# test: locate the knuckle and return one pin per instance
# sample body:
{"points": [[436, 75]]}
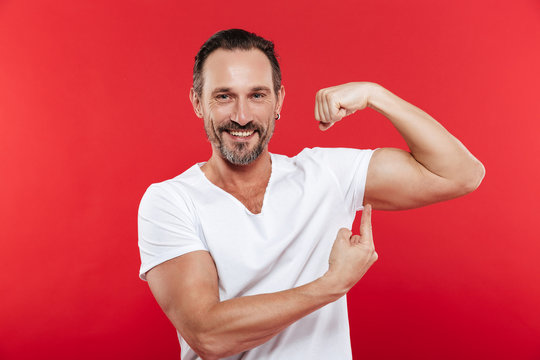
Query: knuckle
{"points": [[329, 97]]}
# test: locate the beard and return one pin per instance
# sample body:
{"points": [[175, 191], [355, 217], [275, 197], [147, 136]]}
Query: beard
{"points": [[239, 153]]}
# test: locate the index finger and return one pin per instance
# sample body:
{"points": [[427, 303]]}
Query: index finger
{"points": [[365, 223]]}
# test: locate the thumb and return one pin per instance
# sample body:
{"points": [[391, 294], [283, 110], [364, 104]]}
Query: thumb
{"points": [[325, 126], [342, 112]]}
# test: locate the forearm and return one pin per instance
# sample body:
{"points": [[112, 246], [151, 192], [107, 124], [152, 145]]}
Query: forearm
{"points": [[239, 324], [429, 142]]}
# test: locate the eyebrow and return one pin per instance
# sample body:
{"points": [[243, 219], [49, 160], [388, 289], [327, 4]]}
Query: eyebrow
{"points": [[261, 88], [227, 89], [220, 90]]}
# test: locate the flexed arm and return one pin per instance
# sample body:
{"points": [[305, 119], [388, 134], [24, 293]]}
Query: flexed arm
{"points": [[438, 167], [186, 288]]}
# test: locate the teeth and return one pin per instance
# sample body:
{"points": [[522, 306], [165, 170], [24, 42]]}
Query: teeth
{"points": [[241, 133]]}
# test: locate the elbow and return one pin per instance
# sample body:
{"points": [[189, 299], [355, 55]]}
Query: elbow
{"points": [[475, 175], [208, 347]]}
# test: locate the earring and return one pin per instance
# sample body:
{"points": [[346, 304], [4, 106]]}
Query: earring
{"points": [[277, 117]]}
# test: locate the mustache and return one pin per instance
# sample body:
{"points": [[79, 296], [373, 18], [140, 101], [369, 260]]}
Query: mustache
{"points": [[233, 126]]}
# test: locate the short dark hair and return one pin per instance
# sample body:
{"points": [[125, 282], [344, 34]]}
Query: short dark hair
{"points": [[232, 39]]}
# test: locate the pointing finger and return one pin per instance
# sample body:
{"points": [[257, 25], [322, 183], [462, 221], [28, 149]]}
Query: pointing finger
{"points": [[365, 224]]}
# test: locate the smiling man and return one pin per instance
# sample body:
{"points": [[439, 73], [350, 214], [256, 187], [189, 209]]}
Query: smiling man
{"points": [[240, 140], [250, 253]]}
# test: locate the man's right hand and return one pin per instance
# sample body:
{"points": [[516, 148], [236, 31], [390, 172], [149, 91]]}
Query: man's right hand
{"points": [[351, 255], [187, 289]]}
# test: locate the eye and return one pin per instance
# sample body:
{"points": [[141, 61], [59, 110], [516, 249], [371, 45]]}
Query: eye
{"points": [[222, 97], [258, 95]]}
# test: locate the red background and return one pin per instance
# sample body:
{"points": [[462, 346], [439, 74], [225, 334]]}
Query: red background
{"points": [[94, 107]]}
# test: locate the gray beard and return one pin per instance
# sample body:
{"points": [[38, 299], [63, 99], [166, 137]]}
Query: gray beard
{"points": [[236, 156]]}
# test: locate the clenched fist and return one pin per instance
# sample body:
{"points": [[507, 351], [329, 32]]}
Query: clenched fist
{"points": [[352, 255], [334, 103]]}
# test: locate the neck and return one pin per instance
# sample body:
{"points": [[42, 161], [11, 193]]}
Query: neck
{"points": [[225, 174]]}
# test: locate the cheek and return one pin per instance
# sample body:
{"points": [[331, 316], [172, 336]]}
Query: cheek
{"points": [[219, 112], [264, 110]]}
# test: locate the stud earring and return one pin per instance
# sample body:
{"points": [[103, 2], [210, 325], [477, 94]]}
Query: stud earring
{"points": [[277, 117]]}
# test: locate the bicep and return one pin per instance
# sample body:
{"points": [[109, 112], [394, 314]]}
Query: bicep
{"points": [[185, 287], [396, 181]]}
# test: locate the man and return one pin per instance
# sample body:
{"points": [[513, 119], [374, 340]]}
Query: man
{"points": [[249, 254]]}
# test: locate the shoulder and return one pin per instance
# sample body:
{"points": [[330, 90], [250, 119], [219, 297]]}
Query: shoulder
{"points": [[325, 157], [340, 162], [333, 156], [172, 192]]}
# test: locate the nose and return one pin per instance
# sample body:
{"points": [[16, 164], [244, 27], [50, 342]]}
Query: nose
{"points": [[242, 114]]}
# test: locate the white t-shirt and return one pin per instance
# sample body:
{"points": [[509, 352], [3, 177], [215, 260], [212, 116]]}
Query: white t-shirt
{"points": [[308, 198]]}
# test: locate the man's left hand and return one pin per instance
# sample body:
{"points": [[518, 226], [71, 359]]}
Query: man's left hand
{"points": [[334, 103]]}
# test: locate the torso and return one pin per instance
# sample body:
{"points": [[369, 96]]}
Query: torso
{"points": [[250, 194], [251, 197], [286, 246]]}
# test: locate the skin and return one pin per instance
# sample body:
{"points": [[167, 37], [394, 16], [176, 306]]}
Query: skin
{"points": [[238, 90], [437, 168]]}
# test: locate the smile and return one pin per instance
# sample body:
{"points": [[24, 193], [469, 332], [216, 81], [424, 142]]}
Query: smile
{"points": [[242, 133]]}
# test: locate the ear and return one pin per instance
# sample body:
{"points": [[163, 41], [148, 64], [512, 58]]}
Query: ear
{"points": [[196, 102], [280, 98]]}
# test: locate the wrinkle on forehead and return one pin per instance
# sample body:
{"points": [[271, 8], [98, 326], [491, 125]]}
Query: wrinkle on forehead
{"points": [[237, 68]]}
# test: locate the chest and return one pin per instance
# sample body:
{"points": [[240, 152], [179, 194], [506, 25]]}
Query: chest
{"points": [[250, 193], [273, 242], [251, 197]]}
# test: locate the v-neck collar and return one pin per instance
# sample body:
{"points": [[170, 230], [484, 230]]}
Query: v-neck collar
{"points": [[220, 190]]}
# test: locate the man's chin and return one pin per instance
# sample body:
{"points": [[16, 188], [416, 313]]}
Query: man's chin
{"points": [[242, 157]]}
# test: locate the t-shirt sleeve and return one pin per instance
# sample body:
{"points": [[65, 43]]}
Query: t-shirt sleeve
{"points": [[350, 167], [166, 226]]}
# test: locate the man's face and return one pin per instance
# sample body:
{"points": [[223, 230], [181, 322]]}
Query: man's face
{"points": [[238, 103]]}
